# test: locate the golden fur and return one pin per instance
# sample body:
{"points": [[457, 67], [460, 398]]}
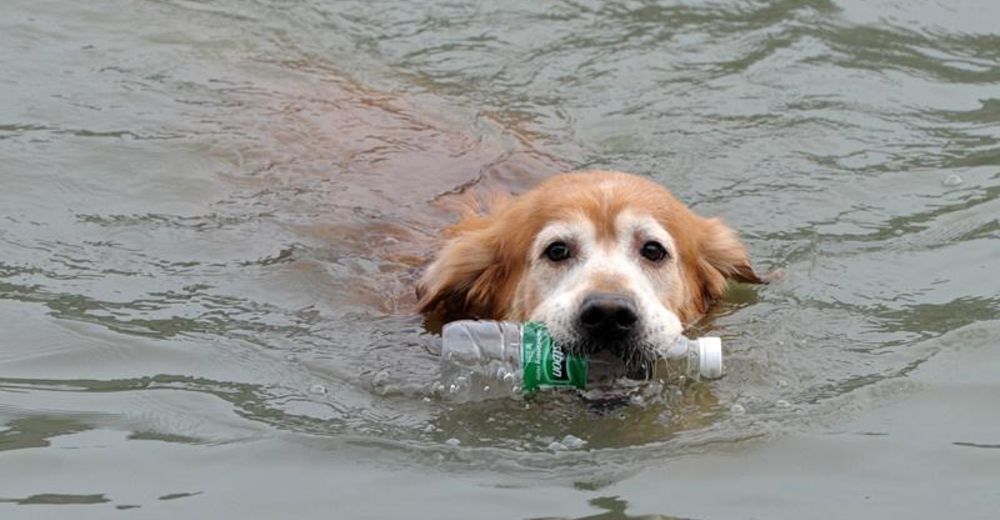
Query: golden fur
{"points": [[480, 271]]}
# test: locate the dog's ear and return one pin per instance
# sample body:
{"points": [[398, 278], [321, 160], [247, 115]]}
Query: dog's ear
{"points": [[722, 249], [468, 279], [722, 257]]}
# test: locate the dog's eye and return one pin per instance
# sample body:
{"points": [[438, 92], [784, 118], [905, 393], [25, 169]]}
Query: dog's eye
{"points": [[557, 251], [653, 251]]}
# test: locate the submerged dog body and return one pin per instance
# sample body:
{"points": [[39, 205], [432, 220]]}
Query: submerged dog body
{"points": [[608, 260]]}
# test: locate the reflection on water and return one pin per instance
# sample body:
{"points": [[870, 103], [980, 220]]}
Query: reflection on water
{"points": [[34, 432], [56, 499], [212, 214], [614, 510]]}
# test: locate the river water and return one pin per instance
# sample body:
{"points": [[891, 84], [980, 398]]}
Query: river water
{"points": [[212, 213]]}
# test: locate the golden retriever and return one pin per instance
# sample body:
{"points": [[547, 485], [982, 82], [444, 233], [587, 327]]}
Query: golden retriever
{"points": [[609, 261]]}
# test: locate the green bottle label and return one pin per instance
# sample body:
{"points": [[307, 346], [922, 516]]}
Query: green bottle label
{"points": [[546, 364]]}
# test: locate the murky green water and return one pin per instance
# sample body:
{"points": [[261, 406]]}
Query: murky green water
{"points": [[212, 213]]}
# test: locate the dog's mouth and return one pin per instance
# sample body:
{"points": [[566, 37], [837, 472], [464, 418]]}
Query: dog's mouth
{"points": [[612, 379], [612, 360], [606, 368], [614, 371]]}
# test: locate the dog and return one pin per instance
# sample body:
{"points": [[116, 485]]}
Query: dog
{"points": [[611, 262]]}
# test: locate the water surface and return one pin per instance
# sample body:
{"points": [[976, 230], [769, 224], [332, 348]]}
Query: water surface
{"points": [[212, 214]]}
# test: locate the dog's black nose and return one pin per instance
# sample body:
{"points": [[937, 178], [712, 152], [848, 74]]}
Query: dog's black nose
{"points": [[608, 316]]}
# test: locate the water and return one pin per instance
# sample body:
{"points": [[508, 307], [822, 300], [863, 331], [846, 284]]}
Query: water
{"points": [[211, 210]]}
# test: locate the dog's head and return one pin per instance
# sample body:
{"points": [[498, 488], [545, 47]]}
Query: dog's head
{"points": [[609, 261]]}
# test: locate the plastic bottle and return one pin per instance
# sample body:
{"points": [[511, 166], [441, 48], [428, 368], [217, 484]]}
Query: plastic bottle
{"points": [[485, 359]]}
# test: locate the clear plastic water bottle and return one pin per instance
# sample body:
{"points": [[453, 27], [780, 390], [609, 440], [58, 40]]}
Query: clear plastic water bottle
{"points": [[483, 359]]}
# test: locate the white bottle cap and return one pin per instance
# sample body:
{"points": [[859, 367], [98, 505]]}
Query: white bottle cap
{"points": [[710, 356]]}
